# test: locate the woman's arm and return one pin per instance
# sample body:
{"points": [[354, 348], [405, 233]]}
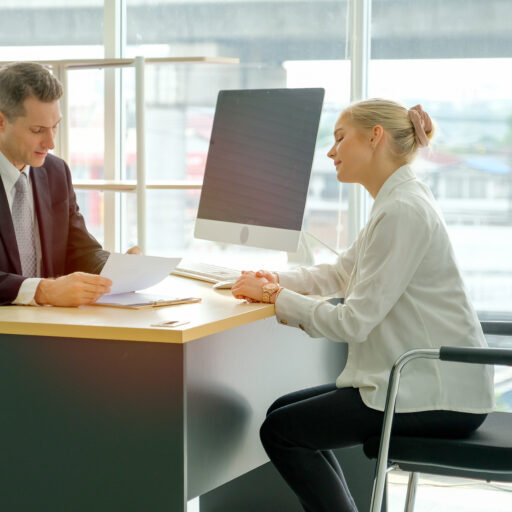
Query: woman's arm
{"points": [[322, 279], [395, 246]]}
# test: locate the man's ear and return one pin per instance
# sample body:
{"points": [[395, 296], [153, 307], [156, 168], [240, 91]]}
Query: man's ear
{"points": [[3, 121]]}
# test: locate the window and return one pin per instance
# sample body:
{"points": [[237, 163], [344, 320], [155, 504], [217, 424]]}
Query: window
{"points": [[441, 55], [274, 51], [76, 32]]}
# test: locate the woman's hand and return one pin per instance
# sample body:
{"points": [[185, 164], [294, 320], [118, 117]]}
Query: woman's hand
{"points": [[249, 286], [272, 277]]}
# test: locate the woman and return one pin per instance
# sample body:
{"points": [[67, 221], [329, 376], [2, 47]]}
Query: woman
{"points": [[402, 290]]}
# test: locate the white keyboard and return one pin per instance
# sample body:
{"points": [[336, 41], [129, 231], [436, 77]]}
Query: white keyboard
{"points": [[206, 272]]}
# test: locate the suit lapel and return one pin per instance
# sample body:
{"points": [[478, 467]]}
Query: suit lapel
{"points": [[42, 201], [7, 231]]}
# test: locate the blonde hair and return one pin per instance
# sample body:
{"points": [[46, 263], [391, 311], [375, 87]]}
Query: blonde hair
{"points": [[394, 119]]}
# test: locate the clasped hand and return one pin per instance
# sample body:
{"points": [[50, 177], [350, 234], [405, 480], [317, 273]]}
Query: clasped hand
{"points": [[249, 285]]}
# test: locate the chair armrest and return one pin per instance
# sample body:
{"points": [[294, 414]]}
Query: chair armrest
{"points": [[498, 328], [500, 356]]}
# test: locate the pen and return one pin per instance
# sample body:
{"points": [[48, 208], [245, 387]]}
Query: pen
{"points": [[171, 323]]}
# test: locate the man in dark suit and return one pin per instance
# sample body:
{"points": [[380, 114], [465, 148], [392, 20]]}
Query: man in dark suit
{"points": [[47, 256]]}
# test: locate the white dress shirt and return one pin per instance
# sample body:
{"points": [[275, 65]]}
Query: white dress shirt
{"points": [[402, 290], [10, 174]]}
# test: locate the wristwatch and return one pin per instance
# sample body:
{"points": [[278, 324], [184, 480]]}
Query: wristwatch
{"points": [[270, 291]]}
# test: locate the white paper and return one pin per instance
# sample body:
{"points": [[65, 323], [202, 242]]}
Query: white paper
{"points": [[133, 272]]}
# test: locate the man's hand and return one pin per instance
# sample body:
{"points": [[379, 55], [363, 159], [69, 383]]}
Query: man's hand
{"points": [[74, 289]]}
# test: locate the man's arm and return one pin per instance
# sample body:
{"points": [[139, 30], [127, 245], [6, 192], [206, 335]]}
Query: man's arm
{"points": [[75, 289], [84, 260], [9, 287], [84, 253]]}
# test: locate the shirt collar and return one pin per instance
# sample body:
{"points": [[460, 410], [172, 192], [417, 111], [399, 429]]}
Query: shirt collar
{"points": [[401, 175], [10, 173]]}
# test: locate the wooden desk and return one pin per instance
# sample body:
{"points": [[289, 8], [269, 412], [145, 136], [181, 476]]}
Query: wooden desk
{"points": [[101, 411]]}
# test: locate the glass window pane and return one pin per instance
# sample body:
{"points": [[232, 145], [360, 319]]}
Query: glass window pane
{"points": [[51, 29], [55, 30], [86, 123], [76, 33], [91, 204], [459, 70], [276, 49]]}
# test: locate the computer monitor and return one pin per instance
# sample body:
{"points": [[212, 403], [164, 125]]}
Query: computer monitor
{"points": [[258, 167]]}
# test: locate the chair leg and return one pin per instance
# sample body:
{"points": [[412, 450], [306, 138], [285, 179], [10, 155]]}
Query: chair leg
{"points": [[411, 492]]}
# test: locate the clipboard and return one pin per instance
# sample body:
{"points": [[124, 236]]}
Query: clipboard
{"points": [[135, 300]]}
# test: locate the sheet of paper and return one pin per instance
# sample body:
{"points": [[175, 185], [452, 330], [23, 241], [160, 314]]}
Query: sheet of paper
{"points": [[132, 272]]}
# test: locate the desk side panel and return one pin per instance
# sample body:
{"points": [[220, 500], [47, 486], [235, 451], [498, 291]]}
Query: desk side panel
{"points": [[91, 425], [232, 378]]}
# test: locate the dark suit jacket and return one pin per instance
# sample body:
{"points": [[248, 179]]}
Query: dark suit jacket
{"points": [[66, 244]]}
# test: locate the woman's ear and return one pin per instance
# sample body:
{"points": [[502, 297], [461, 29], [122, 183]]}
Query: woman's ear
{"points": [[377, 136]]}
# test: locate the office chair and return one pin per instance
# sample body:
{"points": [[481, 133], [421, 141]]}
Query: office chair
{"points": [[485, 455]]}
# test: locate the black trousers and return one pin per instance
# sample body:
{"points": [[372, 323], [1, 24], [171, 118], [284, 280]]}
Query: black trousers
{"points": [[302, 428]]}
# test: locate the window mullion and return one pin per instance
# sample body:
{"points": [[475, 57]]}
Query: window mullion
{"points": [[360, 25], [112, 13]]}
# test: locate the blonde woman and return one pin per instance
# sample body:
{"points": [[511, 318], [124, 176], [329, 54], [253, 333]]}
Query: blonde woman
{"points": [[402, 290]]}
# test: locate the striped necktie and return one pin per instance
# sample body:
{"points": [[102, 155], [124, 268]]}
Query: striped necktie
{"points": [[23, 220]]}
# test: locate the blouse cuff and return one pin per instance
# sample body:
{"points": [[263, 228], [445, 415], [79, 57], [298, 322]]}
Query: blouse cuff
{"points": [[295, 310]]}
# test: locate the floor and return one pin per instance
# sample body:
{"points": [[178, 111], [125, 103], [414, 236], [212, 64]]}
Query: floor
{"points": [[443, 494], [440, 494], [193, 505]]}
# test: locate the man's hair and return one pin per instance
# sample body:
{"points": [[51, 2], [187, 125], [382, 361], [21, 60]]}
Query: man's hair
{"points": [[22, 80]]}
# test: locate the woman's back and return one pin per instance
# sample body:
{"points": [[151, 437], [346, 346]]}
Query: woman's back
{"points": [[418, 301]]}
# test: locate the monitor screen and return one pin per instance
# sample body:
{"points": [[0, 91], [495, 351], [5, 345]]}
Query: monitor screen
{"points": [[258, 167]]}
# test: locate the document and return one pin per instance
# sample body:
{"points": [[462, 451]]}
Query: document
{"points": [[132, 272]]}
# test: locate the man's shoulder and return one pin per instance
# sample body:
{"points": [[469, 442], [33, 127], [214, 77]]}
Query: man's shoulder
{"points": [[54, 162], [54, 175], [54, 168]]}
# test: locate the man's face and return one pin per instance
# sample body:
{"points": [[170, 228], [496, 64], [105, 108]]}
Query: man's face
{"points": [[28, 138]]}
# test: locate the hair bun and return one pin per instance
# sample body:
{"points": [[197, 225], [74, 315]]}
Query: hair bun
{"points": [[422, 125]]}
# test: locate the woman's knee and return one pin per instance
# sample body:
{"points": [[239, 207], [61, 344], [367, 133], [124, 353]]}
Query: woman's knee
{"points": [[272, 428], [265, 429], [277, 404]]}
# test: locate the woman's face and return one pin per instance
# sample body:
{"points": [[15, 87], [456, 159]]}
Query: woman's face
{"points": [[352, 151]]}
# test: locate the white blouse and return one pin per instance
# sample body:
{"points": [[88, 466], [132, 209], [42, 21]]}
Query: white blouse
{"points": [[402, 290]]}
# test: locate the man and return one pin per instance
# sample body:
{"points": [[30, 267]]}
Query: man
{"points": [[47, 256]]}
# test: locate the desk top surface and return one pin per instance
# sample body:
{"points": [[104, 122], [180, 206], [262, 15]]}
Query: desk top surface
{"points": [[217, 312]]}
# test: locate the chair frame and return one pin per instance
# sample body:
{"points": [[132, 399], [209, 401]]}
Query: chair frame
{"points": [[465, 355]]}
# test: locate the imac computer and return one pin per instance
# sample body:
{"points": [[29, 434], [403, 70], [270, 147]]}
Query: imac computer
{"points": [[258, 167]]}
